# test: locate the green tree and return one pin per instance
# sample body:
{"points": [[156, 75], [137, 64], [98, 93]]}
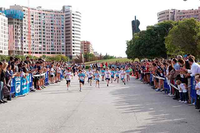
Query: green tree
{"points": [[57, 58], [89, 57], [64, 58], [149, 43], [184, 38]]}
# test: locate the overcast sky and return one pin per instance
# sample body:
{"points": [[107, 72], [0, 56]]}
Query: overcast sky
{"points": [[107, 23]]}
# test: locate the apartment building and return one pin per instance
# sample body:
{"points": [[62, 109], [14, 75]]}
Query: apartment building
{"points": [[86, 47], [15, 19], [3, 34], [178, 15], [166, 15], [72, 31], [43, 31], [37, 31], [193, 13]]}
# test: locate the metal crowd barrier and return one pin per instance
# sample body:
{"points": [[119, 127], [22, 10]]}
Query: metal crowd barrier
{"points": [[21, 86], [167, 85]]}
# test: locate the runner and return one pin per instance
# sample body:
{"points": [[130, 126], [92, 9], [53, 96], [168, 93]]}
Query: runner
{"points": [[112, 74], [127, 74], [117, 75], [89, 75], [103, 73], [68, 76], [81, 76], [97, 78], [107, 75], [122, 75]]}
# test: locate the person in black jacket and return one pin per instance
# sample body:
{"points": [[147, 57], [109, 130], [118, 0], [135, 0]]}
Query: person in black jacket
{"points": [[2, 81]]}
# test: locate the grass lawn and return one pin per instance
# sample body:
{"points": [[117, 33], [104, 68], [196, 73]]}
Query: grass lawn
{"points": [[108, 61]]}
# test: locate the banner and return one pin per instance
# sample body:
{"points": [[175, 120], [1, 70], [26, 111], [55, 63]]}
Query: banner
{"points": [[193, 91], [25, 85], [30, 80], [17, 86], [12, 91], [46, 78]]}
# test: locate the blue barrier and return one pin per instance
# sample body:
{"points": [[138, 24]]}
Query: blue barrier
{"points": [[21, 86], [193, 91], [25, 88], [30, 80], [12, 91], [46, 81], [61, 75], [151, 78], [166, 86], [17, 86]]}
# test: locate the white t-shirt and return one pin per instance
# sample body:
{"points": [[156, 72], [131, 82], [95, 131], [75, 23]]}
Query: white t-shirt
{"points": [[52, 71], [198, 86], [59, 70], [68, 75], [182, 88], [122, 74], [107, 74], [94, 71], [89, 74]]}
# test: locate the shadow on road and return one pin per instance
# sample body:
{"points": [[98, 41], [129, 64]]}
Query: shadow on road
{"points": [[155, 112]]}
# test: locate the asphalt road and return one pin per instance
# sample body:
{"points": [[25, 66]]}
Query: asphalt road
{"points": [[131, 108]]}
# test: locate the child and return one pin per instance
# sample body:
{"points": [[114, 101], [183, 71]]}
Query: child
{"points": [[90, 74], [122, 75], [107, 75], [97, 76], [182, 91], [68, 76], [197, 88], [127, 74], [81, 76], [103, 74], [112, 74], [117, 75]]}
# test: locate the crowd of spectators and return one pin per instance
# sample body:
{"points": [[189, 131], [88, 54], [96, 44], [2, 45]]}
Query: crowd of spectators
{"points": [[37, 68], [177, 72]]}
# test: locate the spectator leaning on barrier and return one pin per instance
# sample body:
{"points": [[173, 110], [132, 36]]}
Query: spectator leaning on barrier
{"points": [[195, 68]]}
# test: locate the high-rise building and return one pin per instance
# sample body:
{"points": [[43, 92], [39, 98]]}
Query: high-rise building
{"points": [[37, 31], [3, 34], [86, 47], [43, 31], [166, 15], [15, 20], [72, 31], [178, 15], [192, 13], [96, 54]]}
